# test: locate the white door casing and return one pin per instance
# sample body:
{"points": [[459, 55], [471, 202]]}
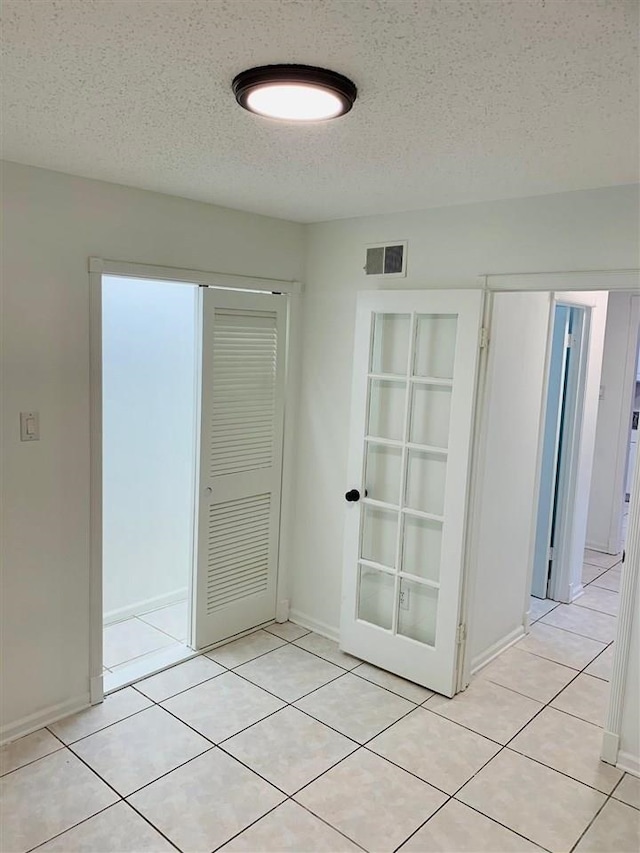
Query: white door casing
{"points": [[242, 407], [413, 396]]}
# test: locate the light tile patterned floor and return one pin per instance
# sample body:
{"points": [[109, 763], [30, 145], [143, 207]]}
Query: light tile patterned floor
{"points": [[279, 742], [141, 636]]}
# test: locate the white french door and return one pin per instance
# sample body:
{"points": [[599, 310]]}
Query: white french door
{"points": [[243, 374], [414, 380]]}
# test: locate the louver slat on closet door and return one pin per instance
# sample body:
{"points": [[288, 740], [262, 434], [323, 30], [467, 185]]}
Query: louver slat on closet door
{"points": [[238, 558], [244, 391]]}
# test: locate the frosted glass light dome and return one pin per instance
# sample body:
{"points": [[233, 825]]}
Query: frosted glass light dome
{"points": [[297, 93]]}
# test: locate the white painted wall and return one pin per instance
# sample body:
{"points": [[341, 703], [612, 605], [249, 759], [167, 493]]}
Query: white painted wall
{"points": [[148, 441], [503, 523], [604, 524], [448, 247], [504, 518], [51, 224]]}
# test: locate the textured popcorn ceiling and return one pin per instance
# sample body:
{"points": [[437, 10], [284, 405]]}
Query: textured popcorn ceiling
{"points": [[459, 101]]}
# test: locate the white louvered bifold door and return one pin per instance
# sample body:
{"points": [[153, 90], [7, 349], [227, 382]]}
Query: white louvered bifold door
{"points": [[243, 367]]}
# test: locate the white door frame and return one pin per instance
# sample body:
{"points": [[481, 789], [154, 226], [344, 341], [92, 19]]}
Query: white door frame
{"points": [[97, 268], [598, 280], [562, 586], [622, 456]]}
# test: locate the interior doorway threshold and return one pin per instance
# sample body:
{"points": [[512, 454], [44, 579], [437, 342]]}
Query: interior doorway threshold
{"points": [[145, 666]]}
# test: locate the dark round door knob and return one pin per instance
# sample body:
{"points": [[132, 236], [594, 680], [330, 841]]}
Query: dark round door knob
{"points": [[352, 495]]}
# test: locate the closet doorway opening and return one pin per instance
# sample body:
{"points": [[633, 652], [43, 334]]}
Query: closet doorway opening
{"points": [[188, 461], [149, 411]]}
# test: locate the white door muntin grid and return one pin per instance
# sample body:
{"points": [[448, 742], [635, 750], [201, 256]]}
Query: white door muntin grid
{"points": [[410, 440]]}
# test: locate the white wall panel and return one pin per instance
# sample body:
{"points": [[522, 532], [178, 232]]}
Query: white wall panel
{"points": [[448, 247], [52, 224], [510, 429], [148, 409], [614, 421]]}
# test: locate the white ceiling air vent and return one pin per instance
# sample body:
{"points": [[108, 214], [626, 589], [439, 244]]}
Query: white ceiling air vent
{"points": [[387, 259]]}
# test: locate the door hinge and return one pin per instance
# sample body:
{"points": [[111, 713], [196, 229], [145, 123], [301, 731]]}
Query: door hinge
{"points": [[461, 635], [570, 340], [552, 554], [484, 338]]}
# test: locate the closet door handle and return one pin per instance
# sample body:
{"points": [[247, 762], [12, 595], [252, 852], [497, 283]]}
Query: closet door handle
{"points": [[352, 495]]}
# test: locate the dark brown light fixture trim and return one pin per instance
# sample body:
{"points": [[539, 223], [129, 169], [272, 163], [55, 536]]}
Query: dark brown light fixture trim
{"points": [[295, 75]]}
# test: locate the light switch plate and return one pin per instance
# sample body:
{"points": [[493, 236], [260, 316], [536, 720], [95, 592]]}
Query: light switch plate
{"points": [[29, 426]]}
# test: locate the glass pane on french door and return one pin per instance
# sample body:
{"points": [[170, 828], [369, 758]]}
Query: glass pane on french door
{"points": [[405, 471]]}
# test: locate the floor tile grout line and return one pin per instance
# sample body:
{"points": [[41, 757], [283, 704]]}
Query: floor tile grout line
{"points": [[595, 609], [220, 746], [141, 618], [364, 745], [575, 716], [460, 725], [160, 630], [617, 785], [330, 825], [274, 784], [249, 660], [423, 824], [590, 824], [292, 704], [503, 825], [253, 823], [117, 668], [179, 692], [146, 785], [393, 692], [152, 825], [562, 772], [109, 725], [506, 746], [575, 633], [302, 649], [307, 630], [357, 744], [74, 826], [33, 760], [289, 642], [554, 697], [151, 651], [198, 654], [553, 660]]}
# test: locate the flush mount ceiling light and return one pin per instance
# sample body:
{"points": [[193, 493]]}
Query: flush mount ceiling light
{"points": [[294, 92]]}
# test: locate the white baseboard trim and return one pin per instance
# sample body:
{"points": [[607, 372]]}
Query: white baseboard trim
{"points": [[611, 549], [33, 722], [282, 610], [97, 689], [485, 657], [629, 763], [315, 625], [575, 591], [145, 606], [610, 745]]}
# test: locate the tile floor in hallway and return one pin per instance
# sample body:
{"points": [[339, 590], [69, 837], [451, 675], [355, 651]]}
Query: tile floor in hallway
{"points": [[280, 742], [141, 636]]}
